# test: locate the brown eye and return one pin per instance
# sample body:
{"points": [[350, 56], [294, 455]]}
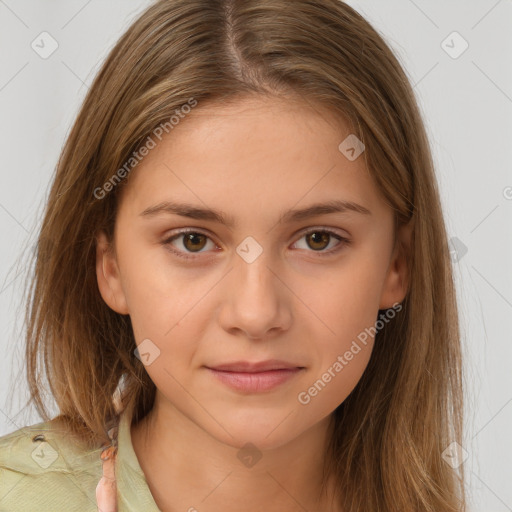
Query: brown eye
{"points": [[187, 243], [194, 241], [191, 243], [318, 240]]}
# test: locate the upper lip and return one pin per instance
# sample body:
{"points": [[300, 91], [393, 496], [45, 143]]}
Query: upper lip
{"points": [[260, 366]]}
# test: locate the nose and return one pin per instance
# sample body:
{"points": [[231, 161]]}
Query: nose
{"points": [[256, 302]]}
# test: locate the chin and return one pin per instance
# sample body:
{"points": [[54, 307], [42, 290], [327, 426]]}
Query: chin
{"points": [[265, 432]]}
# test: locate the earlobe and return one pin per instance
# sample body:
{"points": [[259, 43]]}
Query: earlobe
{"points": [[108, 276], [396, 284]]}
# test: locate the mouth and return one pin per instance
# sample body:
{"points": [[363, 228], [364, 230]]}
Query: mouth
{"points": [[255, 367], [257, 377]]}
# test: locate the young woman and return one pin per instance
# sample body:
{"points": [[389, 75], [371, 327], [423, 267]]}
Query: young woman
{"points": [[243, 294]]}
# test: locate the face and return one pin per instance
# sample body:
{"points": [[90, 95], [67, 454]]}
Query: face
{"points": [[258, 281]]}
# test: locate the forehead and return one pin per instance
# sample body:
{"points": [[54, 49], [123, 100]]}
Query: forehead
{"points": [[254, 153]]}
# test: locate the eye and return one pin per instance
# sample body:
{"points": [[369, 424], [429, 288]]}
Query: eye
{"points": [[191, 241], [319, 239], [187, 242]]}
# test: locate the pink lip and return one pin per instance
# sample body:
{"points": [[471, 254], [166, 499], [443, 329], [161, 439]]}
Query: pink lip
{"points": [[260, 366], [255, 377], [253, 382]]}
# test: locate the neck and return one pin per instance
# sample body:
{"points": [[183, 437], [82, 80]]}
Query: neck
{"points": [[186, 468]]}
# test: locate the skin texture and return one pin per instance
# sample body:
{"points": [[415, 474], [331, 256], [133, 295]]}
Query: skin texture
{"points": [[253, 160]]}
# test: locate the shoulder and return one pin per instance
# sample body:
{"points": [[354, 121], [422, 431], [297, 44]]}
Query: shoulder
{"points": [[42, 468]]}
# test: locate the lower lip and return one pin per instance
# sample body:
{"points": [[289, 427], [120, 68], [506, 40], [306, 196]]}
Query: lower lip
{"points": [[255, 382]]}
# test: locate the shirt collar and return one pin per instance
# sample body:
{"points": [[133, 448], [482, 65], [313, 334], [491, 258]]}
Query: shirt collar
{"points": [[133, 491]]}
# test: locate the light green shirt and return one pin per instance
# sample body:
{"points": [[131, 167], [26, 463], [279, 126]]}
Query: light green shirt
{"points": [[42, 470]]}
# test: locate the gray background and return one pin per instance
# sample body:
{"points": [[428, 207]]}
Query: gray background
{"points": [[467, 105]]}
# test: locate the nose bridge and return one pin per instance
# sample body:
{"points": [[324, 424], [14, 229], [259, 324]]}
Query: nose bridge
{"points": [[256, 299], [254, 279]]}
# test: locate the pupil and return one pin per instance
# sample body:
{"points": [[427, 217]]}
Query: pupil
{"points": [[323, 238], [193, 237]]}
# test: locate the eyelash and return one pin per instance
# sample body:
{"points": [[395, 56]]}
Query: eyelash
{"points": [[343, 242]]}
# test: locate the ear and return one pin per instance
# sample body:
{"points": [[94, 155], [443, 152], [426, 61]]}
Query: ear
{"points": [[108, 275], [396, 283]]}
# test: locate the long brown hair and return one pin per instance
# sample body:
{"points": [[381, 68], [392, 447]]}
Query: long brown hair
{"points": [[389, 435]]}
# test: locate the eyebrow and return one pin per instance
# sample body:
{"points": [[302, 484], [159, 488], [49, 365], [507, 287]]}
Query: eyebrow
{"points": [[289, 216]]}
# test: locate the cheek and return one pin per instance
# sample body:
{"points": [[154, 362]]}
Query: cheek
{"points": [[159, 294], [348, 300], [347, 311], [340, 361]]}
